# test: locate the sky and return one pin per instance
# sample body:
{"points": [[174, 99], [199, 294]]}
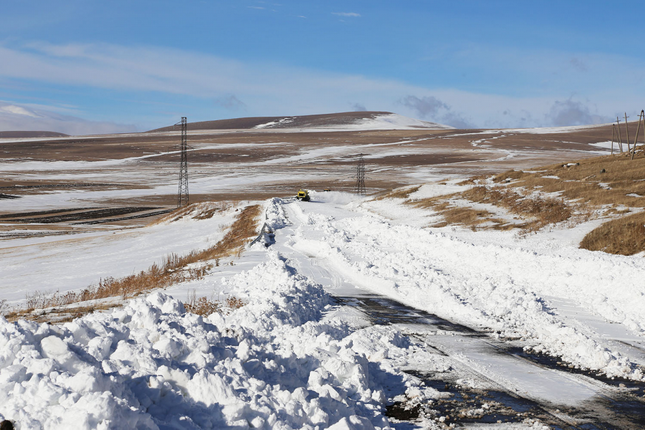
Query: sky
{"points": [[86, 66]]}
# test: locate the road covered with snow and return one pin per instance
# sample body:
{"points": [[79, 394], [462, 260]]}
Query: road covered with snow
{"points": [[356, 316]]}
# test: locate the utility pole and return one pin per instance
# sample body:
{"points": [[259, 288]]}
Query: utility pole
{"points": [[182, 192], [641, 117], [613, 137], [360, 176], [619, 137], [627, 129]]}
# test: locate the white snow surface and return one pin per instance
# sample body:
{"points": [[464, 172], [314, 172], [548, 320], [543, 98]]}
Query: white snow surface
{"points": [[289, 359], [379, 122], [274, 363]]}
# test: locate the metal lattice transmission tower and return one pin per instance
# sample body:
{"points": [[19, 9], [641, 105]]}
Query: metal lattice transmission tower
{"points": [[182, 192], [360, 175]]}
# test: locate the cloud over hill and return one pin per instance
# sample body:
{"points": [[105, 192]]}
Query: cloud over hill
{"points": [[14, 117]]}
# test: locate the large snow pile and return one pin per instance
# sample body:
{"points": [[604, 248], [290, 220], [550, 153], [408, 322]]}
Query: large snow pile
{"points": [[274, 363]]}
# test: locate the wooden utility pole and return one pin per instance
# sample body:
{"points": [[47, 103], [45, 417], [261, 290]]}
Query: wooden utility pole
{"points": [[613, 137], [641, 117], [627, 128], [619, 137]]}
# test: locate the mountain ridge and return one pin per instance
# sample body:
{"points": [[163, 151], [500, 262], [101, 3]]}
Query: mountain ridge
{"points": [[342, 120]]}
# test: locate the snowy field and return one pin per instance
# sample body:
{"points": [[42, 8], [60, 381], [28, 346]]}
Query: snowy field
{"points": [[356, 314], [295, 356]]}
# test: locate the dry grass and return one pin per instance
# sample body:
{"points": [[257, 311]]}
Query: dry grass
{"points": [[541, 211], [536, 211], [198, 211], [57, 315], [624, 236], [174, 269], [205, 306], [594, 181], [400, 193], [611, 183], [472, 218], [614, 182]]}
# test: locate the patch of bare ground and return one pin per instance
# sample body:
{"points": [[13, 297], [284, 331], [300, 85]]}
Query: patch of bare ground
{"points": [[173, 270]]}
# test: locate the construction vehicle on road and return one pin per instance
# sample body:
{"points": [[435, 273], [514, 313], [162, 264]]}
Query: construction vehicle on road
{"points": [[303, 195]]}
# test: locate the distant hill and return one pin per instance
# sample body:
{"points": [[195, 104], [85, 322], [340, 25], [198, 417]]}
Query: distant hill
{"points": [[28, 134], [332, 121]]}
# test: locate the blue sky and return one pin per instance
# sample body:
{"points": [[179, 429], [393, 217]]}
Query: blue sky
{"points": [[124, 65]]}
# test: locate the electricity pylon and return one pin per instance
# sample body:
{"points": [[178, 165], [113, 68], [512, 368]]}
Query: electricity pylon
{"points": [[182, 193], [360, 175]]}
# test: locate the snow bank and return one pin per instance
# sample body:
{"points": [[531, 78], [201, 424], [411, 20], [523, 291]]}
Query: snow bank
{"points": [[274, 363], [504, 287]]}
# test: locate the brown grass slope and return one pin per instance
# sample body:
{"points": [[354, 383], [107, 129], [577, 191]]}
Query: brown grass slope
{"points": [[300, 121], [615, 184], [624, 236], [611, 187]]}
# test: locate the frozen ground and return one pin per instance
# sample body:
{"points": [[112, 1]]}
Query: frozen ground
{"points": [[356, 305]]}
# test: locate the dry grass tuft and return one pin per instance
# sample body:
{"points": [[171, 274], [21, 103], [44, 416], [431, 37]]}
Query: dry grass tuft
{"points": [[234, 302], [57, 314], [509, 176], [198, 211], [399, 193], [473, 218], [202, 306], [624, 236], [174, 269], [205, 306], [474, 180], [543, 211]]}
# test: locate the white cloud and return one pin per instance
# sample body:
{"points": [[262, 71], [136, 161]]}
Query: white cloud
{"points": [[15, 117], [347, 14], [269, 89], [571, 112]]}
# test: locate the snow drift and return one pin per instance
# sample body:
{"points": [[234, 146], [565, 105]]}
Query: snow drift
{"points": [[273, 363]]}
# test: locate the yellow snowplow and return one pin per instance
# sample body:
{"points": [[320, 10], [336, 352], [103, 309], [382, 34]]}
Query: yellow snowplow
{"points": [[303, 195]]}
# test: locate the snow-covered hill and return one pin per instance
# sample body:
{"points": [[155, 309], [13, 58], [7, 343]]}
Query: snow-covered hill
{"points": [[343, 121], [367, 121]]}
